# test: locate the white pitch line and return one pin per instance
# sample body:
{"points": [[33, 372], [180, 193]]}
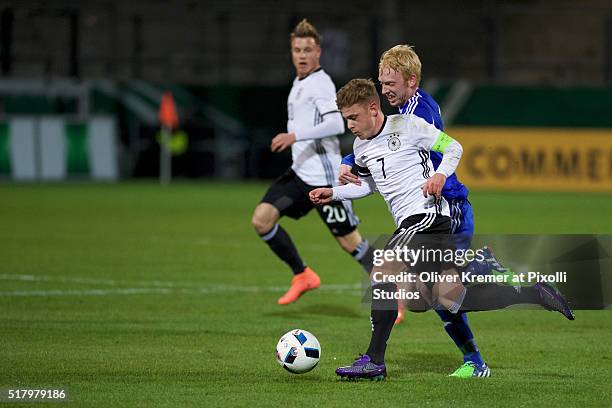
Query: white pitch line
{"points": [[162, 284], [158, 287], [106, 282], [89, 292], [42, 278], [149, 291]]}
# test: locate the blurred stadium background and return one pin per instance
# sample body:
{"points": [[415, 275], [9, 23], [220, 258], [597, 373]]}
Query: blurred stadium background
{"points": [[82, 81]]}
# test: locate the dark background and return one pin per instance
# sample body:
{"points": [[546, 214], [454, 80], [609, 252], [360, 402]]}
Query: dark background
{"points": [[528, 63]]}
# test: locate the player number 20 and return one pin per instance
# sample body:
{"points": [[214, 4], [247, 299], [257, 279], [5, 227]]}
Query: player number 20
{"points": [[334, 214]]}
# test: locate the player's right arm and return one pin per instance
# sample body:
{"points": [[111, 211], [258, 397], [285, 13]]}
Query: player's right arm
{"points": [[330, 122]]}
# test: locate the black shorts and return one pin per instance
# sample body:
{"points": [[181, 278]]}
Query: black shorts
{"points": [[422, 224], [289, 194], [424, 231]]}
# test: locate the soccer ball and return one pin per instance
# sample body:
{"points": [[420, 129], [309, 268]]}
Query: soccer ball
{"points": [[298, 351]]}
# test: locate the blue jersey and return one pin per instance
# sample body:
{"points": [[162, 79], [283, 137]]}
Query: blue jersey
{"points": [[424, 106]]}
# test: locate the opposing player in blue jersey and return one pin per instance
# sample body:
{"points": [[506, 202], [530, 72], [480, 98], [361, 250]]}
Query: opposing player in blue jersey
{"points": [[399, 76]]}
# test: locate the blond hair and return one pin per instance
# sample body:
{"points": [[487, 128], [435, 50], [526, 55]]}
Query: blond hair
{"points": [[403, 59], [357, 91], [306, 30]]}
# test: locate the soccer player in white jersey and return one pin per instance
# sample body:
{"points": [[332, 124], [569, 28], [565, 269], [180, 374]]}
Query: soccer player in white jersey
{"points": [[399, 75], [392, 155], [313, 124]]}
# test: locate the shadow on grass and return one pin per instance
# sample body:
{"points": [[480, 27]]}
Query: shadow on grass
{"points": [[318, 309], [422, 363], [439, 363]]}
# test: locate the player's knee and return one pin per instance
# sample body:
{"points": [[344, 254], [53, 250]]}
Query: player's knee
{"points": [[264, 218], [347, 246], [261, 224]]}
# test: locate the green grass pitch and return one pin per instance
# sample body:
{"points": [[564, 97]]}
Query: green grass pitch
{"points": [[137, 295]]}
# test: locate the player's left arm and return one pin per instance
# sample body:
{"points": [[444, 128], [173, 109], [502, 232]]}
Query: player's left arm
{"points": [[451, 155], [349, 191], [331, 125], [324, 195]]}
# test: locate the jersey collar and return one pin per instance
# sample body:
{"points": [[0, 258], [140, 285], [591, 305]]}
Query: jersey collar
{"points": [[381, 129], [316, 70], [404, 107]]}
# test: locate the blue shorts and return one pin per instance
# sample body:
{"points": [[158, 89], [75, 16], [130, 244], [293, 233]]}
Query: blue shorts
{"points": [[462, 222]]}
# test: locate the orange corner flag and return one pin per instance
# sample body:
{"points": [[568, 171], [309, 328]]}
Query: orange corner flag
{"points": [[167, 111]]}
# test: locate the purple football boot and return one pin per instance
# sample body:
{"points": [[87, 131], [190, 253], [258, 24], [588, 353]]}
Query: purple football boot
{"points": [[552, 299], [363, 368]]}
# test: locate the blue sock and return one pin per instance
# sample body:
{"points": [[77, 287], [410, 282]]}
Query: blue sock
{"points": [[457, 327], [478, 268]]}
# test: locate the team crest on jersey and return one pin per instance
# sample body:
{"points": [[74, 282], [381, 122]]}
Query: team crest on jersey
{"points": [[394, 142]]}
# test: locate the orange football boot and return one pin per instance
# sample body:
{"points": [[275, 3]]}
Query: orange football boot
{"points": [[300, 284]]}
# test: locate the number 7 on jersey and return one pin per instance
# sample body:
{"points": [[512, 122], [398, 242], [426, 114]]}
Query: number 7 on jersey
{"points": [[382, 159]]}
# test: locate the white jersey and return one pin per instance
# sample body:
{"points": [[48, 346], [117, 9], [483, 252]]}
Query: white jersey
{"points": [[398, 161], [315, 161]]}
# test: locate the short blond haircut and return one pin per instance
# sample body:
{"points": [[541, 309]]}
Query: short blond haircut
{"points": [[305, 30], [403, 59], [357, 91]]}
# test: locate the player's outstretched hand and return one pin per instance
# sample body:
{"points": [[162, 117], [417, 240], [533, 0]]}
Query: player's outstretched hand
{"points": [[433, 185], [321, 195], [346, 176], [282, 141]]}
